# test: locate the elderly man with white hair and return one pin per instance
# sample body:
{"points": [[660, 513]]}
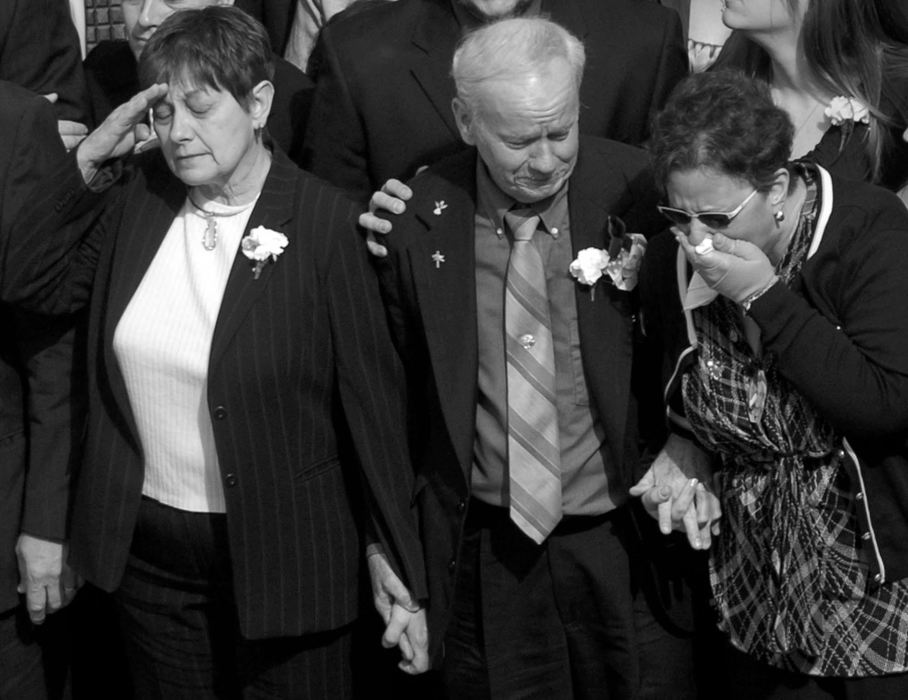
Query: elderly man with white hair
{"points": [[509, 285]]}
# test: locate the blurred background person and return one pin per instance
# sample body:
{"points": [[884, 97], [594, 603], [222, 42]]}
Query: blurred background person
{"points": [[277, 16], [842, 79], [787, 361], [704, 30], [308, 19], [39, 50]]}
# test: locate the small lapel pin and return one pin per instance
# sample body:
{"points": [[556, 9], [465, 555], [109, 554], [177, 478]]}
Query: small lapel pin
{"points": [[439, 208], [438, 258]]}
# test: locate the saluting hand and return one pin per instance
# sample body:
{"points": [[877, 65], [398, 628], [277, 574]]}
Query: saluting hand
{"points": [[116, 135]]}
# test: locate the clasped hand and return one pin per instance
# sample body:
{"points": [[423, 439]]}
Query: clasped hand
{"points": [[45, 578], [404, 618], [735, 268], [677, 491]]}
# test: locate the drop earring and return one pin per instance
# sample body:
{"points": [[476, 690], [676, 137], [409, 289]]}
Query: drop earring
{"points": [[779, 216]]}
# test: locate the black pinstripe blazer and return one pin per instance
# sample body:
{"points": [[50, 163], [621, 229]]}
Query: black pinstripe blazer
{"points": [[301, 370]]}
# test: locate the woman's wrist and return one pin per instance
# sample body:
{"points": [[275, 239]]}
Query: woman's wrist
{"points": [[751, 298]]}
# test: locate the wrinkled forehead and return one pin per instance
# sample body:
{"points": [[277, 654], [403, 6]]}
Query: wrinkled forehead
{"points": [[552, 100], [184, 77], [187, 80]]}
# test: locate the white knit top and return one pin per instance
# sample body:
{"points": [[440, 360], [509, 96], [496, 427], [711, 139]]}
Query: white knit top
{"points": [[163, 342]]}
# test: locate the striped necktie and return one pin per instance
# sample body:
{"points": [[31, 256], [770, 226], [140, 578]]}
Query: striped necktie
{"points": [[534, 460]]}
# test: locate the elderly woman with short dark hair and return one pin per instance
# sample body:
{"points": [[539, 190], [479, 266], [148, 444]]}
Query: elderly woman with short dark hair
{"points": [[246, 405], [783, 306]]}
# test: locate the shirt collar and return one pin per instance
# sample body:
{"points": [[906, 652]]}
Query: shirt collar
{"points": [[493, 204]]}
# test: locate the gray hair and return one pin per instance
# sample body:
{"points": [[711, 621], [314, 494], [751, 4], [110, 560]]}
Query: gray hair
{"points": [[511, 49]]}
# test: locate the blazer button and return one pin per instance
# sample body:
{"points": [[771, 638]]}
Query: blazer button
{"points": [[878, 578], [452, 565], [859, 496], [865, 536], [462, 506], [840, 454], [230, 480], [220, 413]]}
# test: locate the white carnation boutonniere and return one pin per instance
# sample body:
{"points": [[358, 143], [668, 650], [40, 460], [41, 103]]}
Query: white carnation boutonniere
{"points": [[845, 112], [262, 245], [589, 264], [846, 109], [620, 263]]}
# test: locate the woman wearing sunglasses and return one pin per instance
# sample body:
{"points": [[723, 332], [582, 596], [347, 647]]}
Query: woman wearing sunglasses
{"points": [[784, 309]]}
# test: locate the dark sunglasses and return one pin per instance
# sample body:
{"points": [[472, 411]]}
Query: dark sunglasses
{"points": [[710, 219]]}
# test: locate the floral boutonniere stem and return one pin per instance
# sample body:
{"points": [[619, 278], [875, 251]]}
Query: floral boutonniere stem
{"points": [[620, 263], [262, 245]]}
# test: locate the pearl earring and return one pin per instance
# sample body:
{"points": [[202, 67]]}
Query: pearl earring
{"points": [[779, 216]]}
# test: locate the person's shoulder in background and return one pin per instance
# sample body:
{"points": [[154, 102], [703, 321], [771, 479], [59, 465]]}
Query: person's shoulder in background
{"points": [[293, 91], [112, 76], [39, 49]]}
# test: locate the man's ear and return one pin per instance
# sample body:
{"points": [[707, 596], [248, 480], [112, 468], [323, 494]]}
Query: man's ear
{"points": [[464, 119], [260, 104]]}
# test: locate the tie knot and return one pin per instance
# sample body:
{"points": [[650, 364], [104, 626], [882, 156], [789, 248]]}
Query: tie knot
{"points": [[522, 222]]}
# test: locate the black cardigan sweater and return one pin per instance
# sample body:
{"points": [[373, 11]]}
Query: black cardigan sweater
{"points": [[839, 335]]}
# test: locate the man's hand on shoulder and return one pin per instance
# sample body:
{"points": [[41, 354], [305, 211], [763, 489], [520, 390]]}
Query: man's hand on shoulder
{"points": [[404, 618], [390, 198]]}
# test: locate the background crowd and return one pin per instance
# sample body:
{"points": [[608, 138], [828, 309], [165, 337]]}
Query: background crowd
{"points": [[567, 335]]}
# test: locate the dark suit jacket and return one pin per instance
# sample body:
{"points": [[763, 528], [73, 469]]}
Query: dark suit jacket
{"points": [[276, 16], [112, 75], [35, 357], [304, 391], [432, 312], [39, 50], [382, 104], [682, 7]]}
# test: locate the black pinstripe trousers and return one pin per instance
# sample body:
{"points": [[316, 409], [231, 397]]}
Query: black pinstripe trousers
{"points": [[179, 619]]}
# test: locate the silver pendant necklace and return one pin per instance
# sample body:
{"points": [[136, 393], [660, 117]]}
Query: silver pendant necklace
{"points": [[210, 236]]}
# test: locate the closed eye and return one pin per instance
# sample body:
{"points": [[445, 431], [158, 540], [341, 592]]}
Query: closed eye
{"points": [[162, 111]]}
